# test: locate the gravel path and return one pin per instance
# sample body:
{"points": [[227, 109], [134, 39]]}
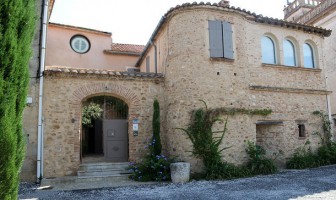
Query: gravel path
{"points": [[319, 183]]}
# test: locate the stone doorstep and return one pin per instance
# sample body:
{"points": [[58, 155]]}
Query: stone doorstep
{"points": [[102, 169], [78, 183]]}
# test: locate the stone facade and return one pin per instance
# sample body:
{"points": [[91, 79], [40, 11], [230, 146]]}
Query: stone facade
{"points": [[181, 72], [64, 94], [321, 14], [292, 93]]}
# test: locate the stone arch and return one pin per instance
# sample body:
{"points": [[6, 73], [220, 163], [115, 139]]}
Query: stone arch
{"points": [[89, 90]]}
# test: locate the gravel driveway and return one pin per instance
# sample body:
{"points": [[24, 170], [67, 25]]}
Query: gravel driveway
{"points": [[319, 183]]}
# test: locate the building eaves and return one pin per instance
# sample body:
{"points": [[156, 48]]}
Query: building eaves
{"points": [[122, 53], [98, 72], [249, 15], [80, 28]]}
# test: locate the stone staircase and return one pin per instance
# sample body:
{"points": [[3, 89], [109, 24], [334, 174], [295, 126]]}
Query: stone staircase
{"points": [[102, 169], [93, 175]]}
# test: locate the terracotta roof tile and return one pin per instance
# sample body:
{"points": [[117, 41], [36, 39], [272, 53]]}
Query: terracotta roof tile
{"points": [[127, 48], [70, 70], [224, 5]]}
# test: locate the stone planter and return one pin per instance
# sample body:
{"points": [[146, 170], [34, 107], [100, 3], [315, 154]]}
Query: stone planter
{"points": [[180, 172]]}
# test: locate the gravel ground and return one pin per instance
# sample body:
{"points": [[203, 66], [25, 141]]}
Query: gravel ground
{"points": [[319, 183]]}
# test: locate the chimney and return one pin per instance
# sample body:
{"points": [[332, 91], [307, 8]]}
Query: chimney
{"points": [[224, 3]]}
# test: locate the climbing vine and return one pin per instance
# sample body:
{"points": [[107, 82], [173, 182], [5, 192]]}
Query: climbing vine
{"points": [[206, 145]]}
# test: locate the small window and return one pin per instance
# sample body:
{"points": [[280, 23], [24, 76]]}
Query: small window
{"points": [[289, 53], [80, 44], [147, 64], [268, 50], [302, 130], [308, 55]]}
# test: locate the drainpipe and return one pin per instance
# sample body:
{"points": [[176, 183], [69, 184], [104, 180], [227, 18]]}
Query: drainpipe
{"points": [[329, 108], [155, 56], [44, 20]]}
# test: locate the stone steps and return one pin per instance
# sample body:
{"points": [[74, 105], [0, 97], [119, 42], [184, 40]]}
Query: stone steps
{"points": [[77, 183], [102, 170]]}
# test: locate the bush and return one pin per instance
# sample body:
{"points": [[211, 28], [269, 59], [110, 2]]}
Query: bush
{"points": [[17, 25], [206, 146], [90, 112], [258, 163], [152, 168], [303, 158], [326, 154]]}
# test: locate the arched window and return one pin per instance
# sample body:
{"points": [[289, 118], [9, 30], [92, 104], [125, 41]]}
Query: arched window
{"points": [[308, 56], [268, 50], [289, 53]]}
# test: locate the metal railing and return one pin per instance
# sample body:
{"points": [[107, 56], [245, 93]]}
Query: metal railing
{"points": [[320, 8], [295, 5]]}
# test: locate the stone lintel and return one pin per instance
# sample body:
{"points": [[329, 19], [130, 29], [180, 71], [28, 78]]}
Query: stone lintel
{"points": [[288, 90]]}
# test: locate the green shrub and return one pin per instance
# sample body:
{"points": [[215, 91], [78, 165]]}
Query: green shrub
{"points": [[154, 166], [303, 158], [326, 153], [258, 163], [17, 25], [90, 112], [206, 145], [157, 148]]}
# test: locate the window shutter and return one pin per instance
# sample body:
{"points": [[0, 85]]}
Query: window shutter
{"points": [[227, 40], [147, 64], [215, 38]]}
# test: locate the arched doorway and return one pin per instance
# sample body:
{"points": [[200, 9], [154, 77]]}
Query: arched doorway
{"points": [[105, 138]]}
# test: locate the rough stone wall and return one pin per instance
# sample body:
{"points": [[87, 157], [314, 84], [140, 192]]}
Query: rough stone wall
{"points": [[28, 170], [192, 75], [329, 22], [63, 97]]}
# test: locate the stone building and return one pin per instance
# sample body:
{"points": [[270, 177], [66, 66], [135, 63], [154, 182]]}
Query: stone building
{"points": [[226, 56], [320, 13]]}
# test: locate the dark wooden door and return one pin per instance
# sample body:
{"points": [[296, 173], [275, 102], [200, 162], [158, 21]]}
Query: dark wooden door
{"points": [[115, 140]]}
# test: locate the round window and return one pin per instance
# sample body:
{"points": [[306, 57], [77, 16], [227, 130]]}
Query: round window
{"points": [[80, 44]]}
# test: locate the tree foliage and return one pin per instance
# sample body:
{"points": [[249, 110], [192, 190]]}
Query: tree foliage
{"points": [[17, 24], [156, 128], [90, 112]]}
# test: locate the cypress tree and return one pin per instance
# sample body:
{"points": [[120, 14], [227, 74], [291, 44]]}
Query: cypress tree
{"points": [[17, 24], [156, 128]]}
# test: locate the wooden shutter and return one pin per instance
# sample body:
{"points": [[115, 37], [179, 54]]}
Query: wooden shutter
{"points": [[227, 40], [215, 38], [147, 64]]}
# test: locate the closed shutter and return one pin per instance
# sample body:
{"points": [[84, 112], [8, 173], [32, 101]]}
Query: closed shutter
{"points": [[215, 38], [147, 64], [227, 40]]}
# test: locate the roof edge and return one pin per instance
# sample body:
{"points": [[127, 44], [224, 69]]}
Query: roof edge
{"points": [[80, 28], [254, 16]]}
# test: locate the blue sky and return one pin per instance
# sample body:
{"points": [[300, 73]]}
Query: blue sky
{"points": [[133, 21]]}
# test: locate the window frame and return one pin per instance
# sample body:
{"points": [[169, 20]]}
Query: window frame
{"points": [[312, 53], [85, 39], [294, 49], [275, 49]]}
